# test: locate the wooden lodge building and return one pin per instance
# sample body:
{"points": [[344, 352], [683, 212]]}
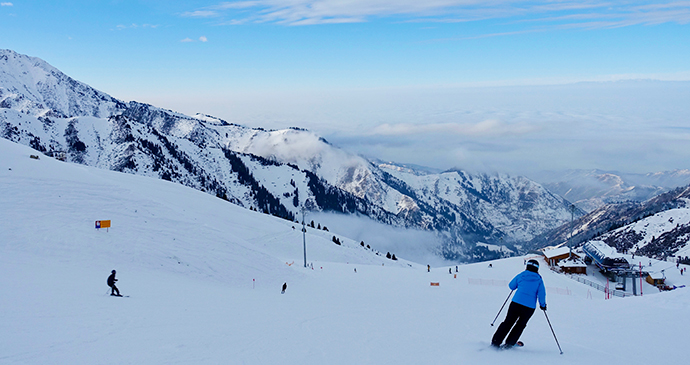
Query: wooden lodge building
{"points": [[569, 262]]}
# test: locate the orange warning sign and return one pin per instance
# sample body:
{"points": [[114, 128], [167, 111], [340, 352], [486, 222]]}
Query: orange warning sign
{"points": [[102, 224]]}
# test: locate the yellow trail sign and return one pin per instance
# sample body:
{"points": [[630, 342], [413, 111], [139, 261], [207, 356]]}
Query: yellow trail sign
{"points": [[102, 224]]}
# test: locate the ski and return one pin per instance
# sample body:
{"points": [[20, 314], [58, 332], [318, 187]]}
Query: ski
{"points": [[506, 347]]}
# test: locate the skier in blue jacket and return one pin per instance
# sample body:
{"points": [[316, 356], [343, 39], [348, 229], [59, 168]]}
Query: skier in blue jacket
{"points": [[530, 288]]}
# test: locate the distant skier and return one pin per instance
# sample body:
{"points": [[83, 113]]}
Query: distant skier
{"points": [[111, 283], [428, 268], [530, 287], [284, 288]]}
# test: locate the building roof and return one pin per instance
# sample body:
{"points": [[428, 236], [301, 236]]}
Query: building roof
{"points": [[656, 275], [556, 252], [572, 263]]}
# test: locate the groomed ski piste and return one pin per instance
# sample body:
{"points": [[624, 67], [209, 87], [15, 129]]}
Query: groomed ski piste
{"points": [[204, 278]]}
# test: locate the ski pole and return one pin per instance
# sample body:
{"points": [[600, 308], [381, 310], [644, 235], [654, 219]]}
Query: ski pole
{"points": [[500, 310], [554, 333]]}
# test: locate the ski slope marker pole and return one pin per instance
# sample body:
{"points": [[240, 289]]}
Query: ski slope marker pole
{"points": [[554, 333], [500, 310]]}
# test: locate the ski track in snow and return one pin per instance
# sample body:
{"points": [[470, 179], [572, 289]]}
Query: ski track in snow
{"points": [[188, 261]]}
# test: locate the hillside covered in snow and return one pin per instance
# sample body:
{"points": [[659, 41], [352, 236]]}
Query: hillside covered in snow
{"points": [[275, 172], [592, 189], [203, 278], [664, 234], [658, 227]]}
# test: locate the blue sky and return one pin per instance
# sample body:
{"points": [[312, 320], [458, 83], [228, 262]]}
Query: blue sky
{"points": [[363, 72]]}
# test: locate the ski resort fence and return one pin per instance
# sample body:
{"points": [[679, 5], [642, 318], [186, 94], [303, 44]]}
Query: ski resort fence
{"points": [[603, 288], [504, 283]]}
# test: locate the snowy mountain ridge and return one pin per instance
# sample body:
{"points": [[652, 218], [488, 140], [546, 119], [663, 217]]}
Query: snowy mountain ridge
{"points": [[31, 86], [276, 172], [626, 226], [664, 234], [592, 189]]}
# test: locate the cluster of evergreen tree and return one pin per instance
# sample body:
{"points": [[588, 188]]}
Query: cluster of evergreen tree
{"points": [[330, 198], [317, 226], [388, 254], [266, 202], [35, 142], [76, 147]]}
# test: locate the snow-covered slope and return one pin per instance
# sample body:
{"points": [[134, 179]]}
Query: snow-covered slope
{"points": [[277, 172], [203, 278], [611, 217], [201, 233], [661, 235]]}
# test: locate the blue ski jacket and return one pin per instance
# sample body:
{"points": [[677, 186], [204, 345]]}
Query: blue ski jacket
{"points": [[530, 287]]}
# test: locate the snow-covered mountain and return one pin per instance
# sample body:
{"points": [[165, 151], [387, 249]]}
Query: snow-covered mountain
{"points": [[276, 172], [619, 226], [661, 235], [658, 228], [592, 189]]}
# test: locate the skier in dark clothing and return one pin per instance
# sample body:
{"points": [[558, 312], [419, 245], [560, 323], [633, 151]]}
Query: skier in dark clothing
{"points": [[111, 283], [284, 288], [530, 288]]}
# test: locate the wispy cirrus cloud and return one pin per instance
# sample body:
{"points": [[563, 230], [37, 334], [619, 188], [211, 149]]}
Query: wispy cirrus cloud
{"points": [[134, 26], [201, 39], [616, 16], [566, 13], [238, 4], [6, 4], [201, 14]]}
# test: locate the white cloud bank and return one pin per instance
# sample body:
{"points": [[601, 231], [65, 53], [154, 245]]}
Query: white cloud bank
{"points": [[489, 127], [629, 126]]}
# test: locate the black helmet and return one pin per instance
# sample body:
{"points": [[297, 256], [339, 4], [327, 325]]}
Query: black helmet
{"points": [[533, 265], [113, 271]]}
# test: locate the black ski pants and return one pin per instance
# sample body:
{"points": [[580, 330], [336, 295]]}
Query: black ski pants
{"points": [[518, 315], [114, 290]]}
